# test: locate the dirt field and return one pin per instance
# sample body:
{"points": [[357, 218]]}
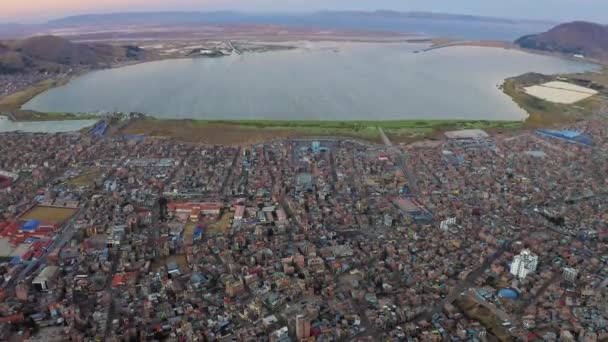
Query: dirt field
{"points": [[86, 179], [234, 134], [189, 230], [49, 214], [485, 316], [560, 92], [188, 130], [222, 225]]}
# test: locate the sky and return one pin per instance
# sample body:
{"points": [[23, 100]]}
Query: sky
{"points": [[27, 11]]}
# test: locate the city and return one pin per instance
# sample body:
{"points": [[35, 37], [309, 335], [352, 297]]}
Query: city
{"points": [[473, 236]]}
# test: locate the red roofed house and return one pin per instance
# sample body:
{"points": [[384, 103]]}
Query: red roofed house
{"points": [[120, 279], [195, 209], [12, 319]]}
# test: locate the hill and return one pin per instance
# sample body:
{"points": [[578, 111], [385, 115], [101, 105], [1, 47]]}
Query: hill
{"points": [[440, 25], [584, 38], [52, 54], [269, 18]]}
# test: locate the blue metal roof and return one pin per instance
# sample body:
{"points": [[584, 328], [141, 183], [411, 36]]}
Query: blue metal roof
{"points": [[508, 293], [568, 133], [30, 225]]}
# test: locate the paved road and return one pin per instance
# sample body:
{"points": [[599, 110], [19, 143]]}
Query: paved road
{"points": [[403, 162], [469, 280], [441, 46], [227, 180], [385, 139]]}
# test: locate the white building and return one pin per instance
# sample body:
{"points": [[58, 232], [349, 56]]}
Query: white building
{"points": [[445, 224], [46, 279], [524, 264], [570, 274]]}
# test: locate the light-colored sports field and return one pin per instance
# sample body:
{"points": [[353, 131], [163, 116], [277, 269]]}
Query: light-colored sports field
{"points": [[560, 92]]}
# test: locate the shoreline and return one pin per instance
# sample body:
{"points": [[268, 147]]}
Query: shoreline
{"points": [[406, 130]]}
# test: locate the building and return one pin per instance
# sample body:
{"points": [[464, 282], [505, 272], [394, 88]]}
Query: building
{"points": [[570, 274], [21, 292], [413, 208], [574, 137], [195, 210], [316, 146], [7, 178], [173, 269], [524, 264], [46, 279], [304, 180], [234, 287], [280, 335], [239, 212], [445, 224], [198, 233], [302, 327], [467, 134]]}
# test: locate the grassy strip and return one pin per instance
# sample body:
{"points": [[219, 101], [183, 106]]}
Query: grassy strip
{"points": [[244, 131], [353, 125]]}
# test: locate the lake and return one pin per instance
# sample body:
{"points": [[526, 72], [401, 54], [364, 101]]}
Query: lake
{"points": [[44, 126], [330, 81]]}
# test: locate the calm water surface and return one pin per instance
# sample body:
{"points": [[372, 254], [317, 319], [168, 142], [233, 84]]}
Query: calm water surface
{"points": [[332, 81], [44, 126]]}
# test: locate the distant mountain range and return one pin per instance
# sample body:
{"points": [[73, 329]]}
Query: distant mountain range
{"points": [[581, 38], [424, 23], [230, 16], [52, 54]]}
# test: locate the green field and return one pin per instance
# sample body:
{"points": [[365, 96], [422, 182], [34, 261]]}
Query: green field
{"points": [[256, 131]]}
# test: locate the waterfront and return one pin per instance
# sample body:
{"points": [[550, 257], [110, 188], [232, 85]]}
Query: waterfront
{"points": [[318, 81], [7, 125]]}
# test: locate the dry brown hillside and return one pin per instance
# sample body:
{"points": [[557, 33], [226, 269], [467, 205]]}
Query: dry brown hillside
{"points": [[579, 37], [50, 53]]}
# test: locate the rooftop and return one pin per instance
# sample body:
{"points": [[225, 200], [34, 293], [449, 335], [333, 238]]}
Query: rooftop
{"points": [[467, 134]]}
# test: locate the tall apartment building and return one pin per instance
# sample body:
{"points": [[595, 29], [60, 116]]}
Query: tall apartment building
{"points": [[524, 264], [302, 327], [570, 274]]}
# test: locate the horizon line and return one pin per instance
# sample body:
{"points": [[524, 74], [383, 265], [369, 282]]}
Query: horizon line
{"points": [[309, 12]]}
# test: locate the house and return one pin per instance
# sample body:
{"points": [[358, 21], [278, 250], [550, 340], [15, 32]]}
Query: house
{"points": [[173, 269], [239, 212]]}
